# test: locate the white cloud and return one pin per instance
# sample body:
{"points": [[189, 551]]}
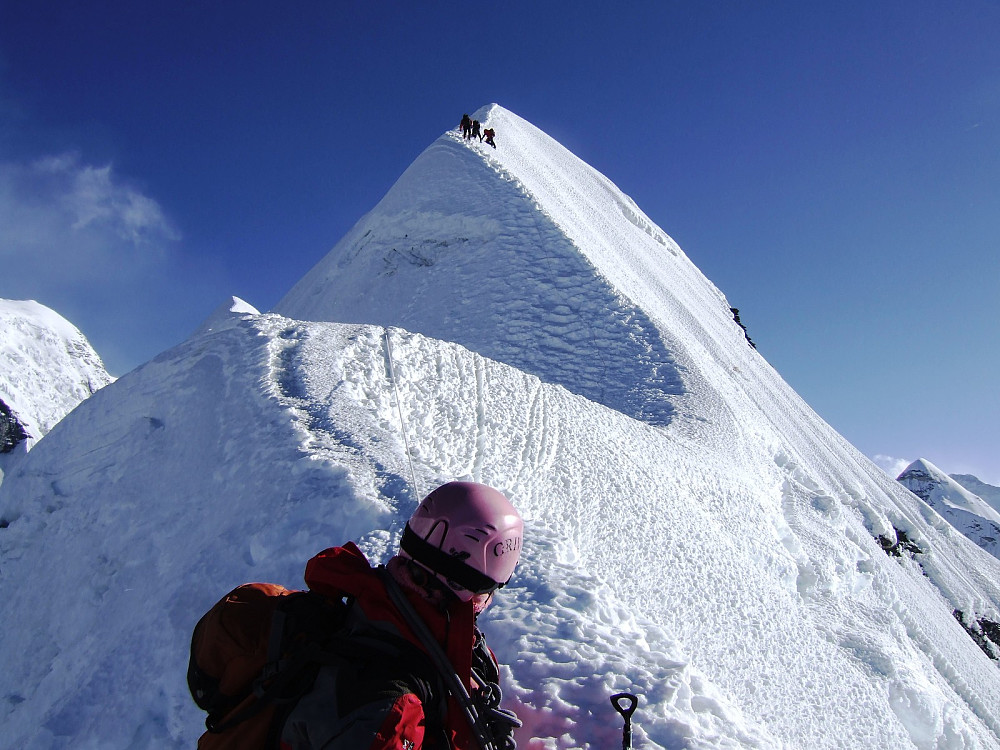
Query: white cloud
{"points": [[101, 251], [64, 220], [93, 197], [891, 465]]}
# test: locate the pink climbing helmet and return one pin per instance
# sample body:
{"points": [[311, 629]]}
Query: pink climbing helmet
{"points": [[468, 535]]}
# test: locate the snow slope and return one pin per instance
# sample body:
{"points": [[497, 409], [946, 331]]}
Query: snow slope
{"points": [[964, 510], [695, 533], [975, 485], [47, 366]]}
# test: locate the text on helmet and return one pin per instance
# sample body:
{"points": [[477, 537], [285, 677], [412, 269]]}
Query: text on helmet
{"points": [[507, 546]]}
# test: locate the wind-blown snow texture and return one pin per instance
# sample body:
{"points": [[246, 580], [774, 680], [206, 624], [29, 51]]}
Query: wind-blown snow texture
{"points": [[695, 533], [963, 509], [47, 366]]}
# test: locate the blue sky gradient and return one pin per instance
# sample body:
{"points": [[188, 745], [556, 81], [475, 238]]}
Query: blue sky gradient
{"points": [[833, 167]]}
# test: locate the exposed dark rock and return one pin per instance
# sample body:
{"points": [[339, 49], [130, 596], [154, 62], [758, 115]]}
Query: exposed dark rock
{"points": [[901, 544], [736, 317], [990, 629], [11, 431], [983, 631]]}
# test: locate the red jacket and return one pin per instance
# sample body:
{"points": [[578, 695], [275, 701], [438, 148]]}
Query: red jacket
{"points": [[398, 722]]}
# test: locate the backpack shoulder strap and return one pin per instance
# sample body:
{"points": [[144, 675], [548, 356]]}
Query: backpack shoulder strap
{"points": [[440, 659]]}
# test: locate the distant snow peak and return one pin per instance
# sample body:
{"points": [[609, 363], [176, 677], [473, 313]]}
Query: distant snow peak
{"points": [[241, 307], [964, 510], [226, 315], [47, 367]]}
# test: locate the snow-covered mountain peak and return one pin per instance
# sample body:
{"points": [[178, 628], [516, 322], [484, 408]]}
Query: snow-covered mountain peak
{"points": [[47, 366], [924, 475], [226, 315], [963, 509], [528, 255], [922, 466]]}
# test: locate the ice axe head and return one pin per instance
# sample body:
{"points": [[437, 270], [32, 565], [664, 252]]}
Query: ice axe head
{"points": [[625, 704]]}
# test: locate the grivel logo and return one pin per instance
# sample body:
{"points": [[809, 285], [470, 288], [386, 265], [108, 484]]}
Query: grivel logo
{"points": [[506, 546]]}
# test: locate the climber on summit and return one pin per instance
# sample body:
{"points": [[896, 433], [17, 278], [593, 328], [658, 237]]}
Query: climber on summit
{"points": [[466, 126]]}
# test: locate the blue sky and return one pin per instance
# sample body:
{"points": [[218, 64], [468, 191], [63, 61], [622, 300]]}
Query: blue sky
{"points": [[833, 167]]}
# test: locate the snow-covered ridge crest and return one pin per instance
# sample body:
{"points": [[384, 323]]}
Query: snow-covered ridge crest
{"points": [[988, 492], [47, 366], [567, 185]]}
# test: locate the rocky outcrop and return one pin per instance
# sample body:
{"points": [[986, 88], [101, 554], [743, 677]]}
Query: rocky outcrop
{"points": [[12, 432]]}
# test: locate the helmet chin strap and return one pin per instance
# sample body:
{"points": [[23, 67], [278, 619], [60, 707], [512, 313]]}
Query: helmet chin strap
{"points": [[415, 576]]}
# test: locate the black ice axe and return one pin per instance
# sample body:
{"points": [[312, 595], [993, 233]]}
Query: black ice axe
{"points": [[625, 704]]}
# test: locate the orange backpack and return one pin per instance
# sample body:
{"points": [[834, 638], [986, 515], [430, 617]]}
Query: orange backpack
{"points": [[253, 655]]}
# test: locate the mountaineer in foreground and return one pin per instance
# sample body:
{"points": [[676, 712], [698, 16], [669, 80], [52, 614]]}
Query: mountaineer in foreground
{"points": [[381, 658]]}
